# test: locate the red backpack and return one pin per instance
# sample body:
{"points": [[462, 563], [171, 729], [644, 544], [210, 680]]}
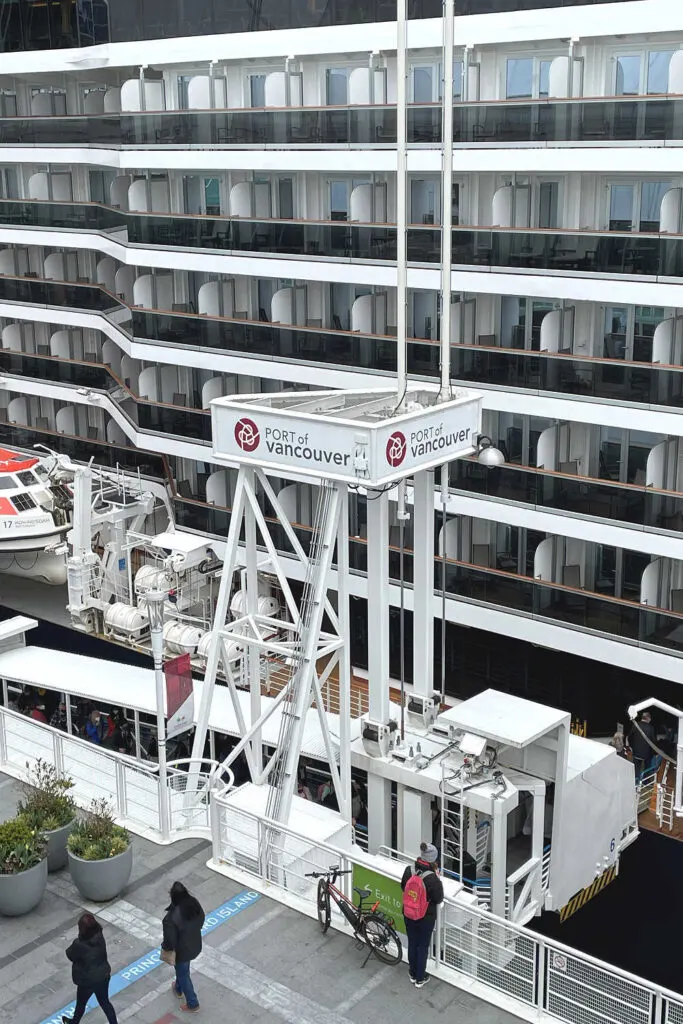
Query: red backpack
{"points": [[415, 900]]}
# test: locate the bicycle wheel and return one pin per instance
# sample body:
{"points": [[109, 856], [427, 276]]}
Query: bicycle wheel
{"points": [[382, 939], [323, 906]]}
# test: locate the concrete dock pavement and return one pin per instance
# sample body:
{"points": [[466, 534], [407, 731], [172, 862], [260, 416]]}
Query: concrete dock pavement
{"points": [[262, 963]]}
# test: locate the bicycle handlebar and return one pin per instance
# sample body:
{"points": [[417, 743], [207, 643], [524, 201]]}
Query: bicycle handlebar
{"points": [[325, 874]]}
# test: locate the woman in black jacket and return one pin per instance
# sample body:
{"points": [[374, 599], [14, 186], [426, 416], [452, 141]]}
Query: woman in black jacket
{"points": [[90, 969], [183, 923]]}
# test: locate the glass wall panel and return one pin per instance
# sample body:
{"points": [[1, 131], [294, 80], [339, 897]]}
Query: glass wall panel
{"points": [[36, 25], [639, 119]]}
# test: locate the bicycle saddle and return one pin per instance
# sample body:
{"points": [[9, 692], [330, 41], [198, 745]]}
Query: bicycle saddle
{"points": [[363, 893]]}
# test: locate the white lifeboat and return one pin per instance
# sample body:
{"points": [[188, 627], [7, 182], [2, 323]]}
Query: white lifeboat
{"points": [[34, 513]]}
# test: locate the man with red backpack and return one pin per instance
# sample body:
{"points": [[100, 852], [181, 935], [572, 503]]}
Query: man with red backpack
{"points": [[422, 893]]}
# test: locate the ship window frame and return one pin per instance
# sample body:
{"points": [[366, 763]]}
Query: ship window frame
{"points": [[24, 499]]}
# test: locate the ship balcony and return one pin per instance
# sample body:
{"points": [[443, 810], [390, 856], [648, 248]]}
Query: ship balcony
{"points": [[624, 503], [145, 414], [549, 121], [604, 378], [559, 603], [567, 603], [654, 255]]}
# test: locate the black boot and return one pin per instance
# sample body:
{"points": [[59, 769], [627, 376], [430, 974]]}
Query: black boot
{"points": [[67, 1020]]}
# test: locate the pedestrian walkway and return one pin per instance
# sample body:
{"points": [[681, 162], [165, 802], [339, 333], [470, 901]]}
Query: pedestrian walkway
{"points": [[262, 963]]}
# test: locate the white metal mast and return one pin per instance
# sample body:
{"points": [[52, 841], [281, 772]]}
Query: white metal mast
{"points": [[446, 197], [401, 204]]}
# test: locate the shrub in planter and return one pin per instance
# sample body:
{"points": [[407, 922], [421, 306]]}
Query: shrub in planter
{"points": [[100, 854], [23, 867], [49, 808]]}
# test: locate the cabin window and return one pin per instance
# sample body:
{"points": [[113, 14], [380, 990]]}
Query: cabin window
{"points": [[23, 502]]}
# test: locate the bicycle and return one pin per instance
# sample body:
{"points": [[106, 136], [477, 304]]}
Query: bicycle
{"points": [[370, 925]]}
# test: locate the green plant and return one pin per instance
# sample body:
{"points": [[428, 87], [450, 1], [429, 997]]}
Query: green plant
{"points": [[97, 837], [47, 804], [21, 847]]}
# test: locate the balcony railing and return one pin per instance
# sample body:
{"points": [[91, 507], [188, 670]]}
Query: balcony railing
{"points": [[600, 378], [585, 252], [155, 417], [625, 620], [592, 119], [601, 499], [603, 379], [104, 453], [40, 292]]}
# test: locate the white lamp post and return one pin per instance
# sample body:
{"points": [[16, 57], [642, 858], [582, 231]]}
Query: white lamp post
{"points": [[154, 600]]}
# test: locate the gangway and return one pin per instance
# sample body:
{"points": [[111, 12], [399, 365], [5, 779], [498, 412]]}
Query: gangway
{"points": [[335, 440]]}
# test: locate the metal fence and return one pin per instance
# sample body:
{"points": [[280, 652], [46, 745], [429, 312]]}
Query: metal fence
{"points": [[131, 787], [502, 956]]}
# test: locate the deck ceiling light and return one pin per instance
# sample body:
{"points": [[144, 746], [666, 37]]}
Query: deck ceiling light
{"points": [[487, 454]]}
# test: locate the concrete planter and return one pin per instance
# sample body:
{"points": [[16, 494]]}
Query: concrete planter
{"points": [[101, 880], [56, 847], [23, 891]]}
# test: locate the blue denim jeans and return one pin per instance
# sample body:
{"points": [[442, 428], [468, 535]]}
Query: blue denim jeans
{"points": [[419, 940], [183, 983]]}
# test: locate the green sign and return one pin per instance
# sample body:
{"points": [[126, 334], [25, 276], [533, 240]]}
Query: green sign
{"points": [[387, 891]]}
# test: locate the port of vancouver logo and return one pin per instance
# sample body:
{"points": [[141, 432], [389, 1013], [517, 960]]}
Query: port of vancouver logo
{"points": [[396, 449], [247, 434]]}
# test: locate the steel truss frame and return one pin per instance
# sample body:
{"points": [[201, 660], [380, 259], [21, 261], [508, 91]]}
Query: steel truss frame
{"points": [[298, 639]]}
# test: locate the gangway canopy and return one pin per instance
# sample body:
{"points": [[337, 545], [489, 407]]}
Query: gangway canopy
{"points": [[504, 718], [107, 682]]}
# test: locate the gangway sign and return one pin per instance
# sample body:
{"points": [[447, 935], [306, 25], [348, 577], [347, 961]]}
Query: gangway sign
{"points": [[371, 437]]}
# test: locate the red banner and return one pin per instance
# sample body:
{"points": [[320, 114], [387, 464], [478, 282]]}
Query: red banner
{"points": [[179, 695]]}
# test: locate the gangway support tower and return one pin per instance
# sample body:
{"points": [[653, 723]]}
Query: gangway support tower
{"points": [[336, 440]]}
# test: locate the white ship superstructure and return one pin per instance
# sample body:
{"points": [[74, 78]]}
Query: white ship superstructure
{"points": [[219, 200]]}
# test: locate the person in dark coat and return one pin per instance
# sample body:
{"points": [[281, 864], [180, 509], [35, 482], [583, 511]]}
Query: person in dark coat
{"points": [[420, 932], [90, 969], [183, 923]]}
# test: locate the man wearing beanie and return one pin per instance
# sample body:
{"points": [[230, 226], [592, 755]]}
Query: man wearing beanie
{"points": [[422, 893]]}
